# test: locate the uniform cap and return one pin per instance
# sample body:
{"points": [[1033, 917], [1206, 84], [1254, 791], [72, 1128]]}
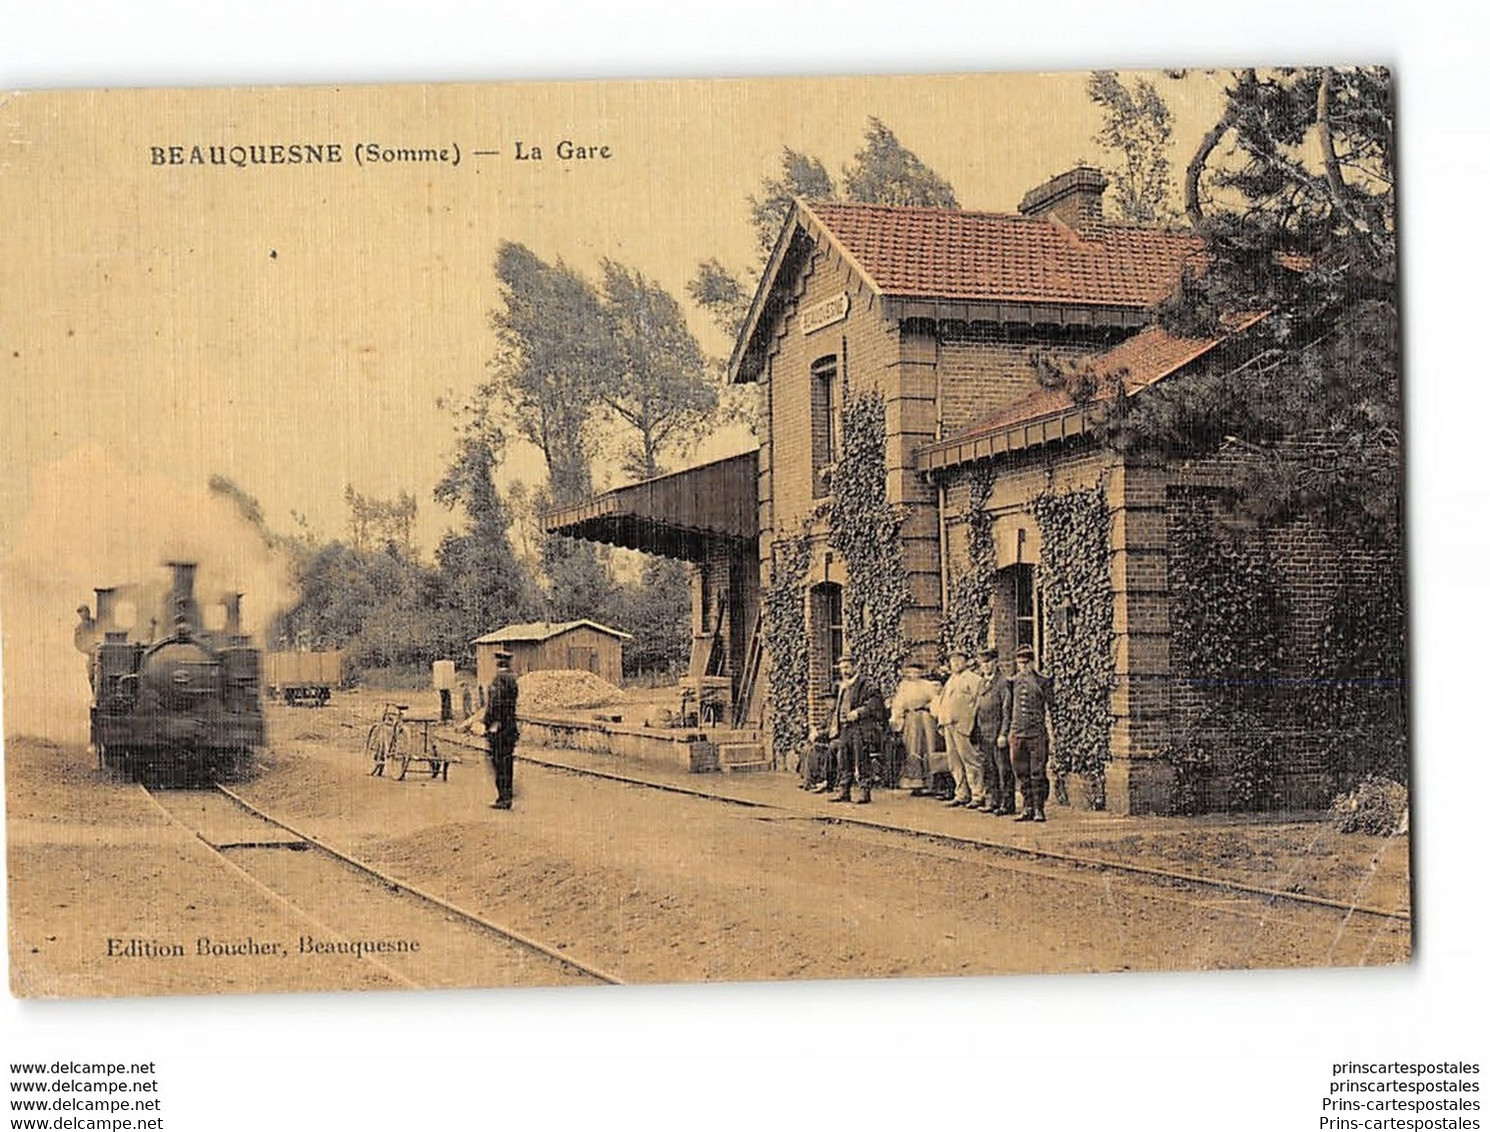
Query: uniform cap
{"points": [[1024, 652]]}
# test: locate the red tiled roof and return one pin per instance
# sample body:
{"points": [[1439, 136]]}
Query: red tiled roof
{"points": [[941, 253], [1139, 361]]}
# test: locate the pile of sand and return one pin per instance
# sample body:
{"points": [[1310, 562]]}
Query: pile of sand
{"points": [[565, 689]]}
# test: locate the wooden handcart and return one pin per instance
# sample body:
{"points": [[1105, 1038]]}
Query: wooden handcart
{"points": [[401, 740]]}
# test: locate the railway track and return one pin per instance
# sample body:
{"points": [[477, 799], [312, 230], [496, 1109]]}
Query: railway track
{"points": [[344, 901], [847, 817]]}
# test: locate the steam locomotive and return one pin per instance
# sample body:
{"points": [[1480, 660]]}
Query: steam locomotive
{"points": [[178, 701]]}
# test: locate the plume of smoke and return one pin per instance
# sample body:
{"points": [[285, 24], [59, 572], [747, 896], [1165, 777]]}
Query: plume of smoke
{"points": [[93, 523]]}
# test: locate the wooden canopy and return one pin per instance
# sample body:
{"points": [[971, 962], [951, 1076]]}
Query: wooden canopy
{"points": [[676, 516]]}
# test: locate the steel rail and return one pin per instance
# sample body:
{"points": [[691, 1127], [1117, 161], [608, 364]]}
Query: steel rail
{"points": [[278, 898], [1271, 895], [398, 886], [466, 914]]}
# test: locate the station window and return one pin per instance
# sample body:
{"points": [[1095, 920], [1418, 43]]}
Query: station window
{"points": [[835, 627], [1029, 622], [825, 437], [826, 630]]}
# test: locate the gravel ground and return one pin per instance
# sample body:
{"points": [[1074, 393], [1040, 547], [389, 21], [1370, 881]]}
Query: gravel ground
{"points": [[93, 860], [660, 887]]}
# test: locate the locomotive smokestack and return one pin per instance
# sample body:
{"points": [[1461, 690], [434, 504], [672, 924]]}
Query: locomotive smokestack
{"points": [[183, 579], [182, 603], [104, 603], [233, 603]]}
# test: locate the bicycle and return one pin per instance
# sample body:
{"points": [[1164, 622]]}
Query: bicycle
{"points": [[400, 739]]}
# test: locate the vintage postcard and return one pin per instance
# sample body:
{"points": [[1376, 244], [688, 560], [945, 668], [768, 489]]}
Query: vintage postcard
{"points": [[674, 531]]}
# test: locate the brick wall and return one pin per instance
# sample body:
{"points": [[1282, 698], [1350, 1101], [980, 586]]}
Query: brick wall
{"points": [[1319, 590], [871, 357], [983, 368], [865, 345]]}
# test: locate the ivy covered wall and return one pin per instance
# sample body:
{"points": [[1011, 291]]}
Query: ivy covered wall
{"points": [[970, 595], [1076, 585], [865, 529], [1227, 624], [784, 624], [1288, 651]]}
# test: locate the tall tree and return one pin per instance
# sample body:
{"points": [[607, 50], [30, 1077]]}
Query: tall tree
{"points": [[802, 175], [882, 172], [726, 294], [660, 387], [553, 358], [885, 172], [375, 522], [1302, 225], [1137, 130], [480, 583]]}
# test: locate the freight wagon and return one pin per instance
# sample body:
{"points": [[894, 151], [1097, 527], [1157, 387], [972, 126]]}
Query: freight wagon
{"points": [[302, 677]]}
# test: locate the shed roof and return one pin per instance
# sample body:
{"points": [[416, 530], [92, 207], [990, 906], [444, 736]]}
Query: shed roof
{"points": [[990, 265], [545, 630], [1054, 414], [675, 515]]}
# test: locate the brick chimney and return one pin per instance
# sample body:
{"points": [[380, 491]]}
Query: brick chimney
{"points": [[1074, 198]]}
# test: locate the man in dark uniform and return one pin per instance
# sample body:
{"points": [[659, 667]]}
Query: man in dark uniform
{"points": [[501, 729], [858, 720], [1032, 696], [992, 735], [85, 638]]}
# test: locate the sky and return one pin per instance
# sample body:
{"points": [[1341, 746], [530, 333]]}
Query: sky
{"points": [[296, 327], [182, 312]]}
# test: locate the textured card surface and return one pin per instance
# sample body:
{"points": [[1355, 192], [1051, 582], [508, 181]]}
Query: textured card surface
{"points": [[674, 531]]}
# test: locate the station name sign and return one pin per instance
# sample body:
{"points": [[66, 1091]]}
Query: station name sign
{"points": [[825, 313]]}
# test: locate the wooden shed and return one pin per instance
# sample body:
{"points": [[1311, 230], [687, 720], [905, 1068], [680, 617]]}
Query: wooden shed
{"points": [[584, 645]]}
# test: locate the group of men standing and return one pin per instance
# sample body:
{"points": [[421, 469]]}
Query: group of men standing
{"points": [[994, 730]]}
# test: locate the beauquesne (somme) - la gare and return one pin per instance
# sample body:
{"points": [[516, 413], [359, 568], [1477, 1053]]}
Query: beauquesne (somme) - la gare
{"points": [[923, 482]]}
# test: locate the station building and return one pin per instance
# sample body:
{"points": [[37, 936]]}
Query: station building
{"points": [[1002, 520]]}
